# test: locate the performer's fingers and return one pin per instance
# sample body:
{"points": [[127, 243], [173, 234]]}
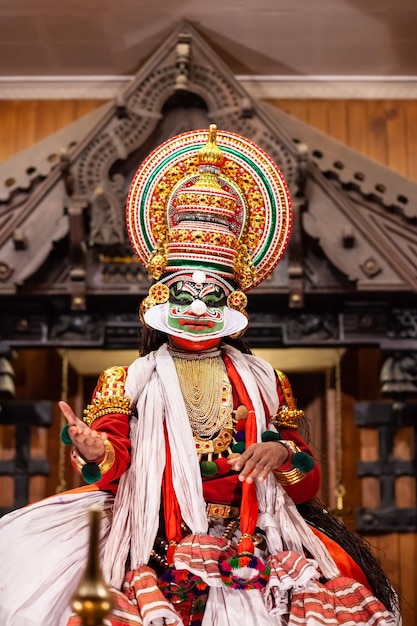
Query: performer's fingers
{"points": [[68, 413]]}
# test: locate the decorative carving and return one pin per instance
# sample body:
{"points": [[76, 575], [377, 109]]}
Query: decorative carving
{"points": [[5, 271], [7, 387], [19, 239], [336, 226], [25, 326], [107, 227], [403, 323], [120, 270], [295, 247], [312, 327], [370, 267], [399, 374], [351, 169], [183, 60], [74, 329]]}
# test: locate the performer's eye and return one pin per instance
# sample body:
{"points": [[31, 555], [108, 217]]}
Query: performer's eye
{"points": [[181, 298], [215, 300]]}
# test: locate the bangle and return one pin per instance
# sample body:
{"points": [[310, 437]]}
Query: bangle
{"points": [[290, 477], [290, 445], [302, 464], [109, 457], [90, 470]]}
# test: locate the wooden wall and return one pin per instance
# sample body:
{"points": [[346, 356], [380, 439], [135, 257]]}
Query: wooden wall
{"points": [[24, 122], [385, 131]]}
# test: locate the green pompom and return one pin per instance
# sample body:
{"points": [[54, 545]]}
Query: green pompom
{"points": [[208, 468], [239, 447], [302, 461], [91, 473], [271, 435], [65, 438]]}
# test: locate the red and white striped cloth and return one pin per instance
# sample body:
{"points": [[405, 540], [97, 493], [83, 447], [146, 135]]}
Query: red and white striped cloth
{"points": [[200, 554], [294, 588], [140, 604]]}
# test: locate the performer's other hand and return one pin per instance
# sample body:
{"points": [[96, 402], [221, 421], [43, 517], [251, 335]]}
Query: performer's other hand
{"points": [[88, 442], [259, 460]]}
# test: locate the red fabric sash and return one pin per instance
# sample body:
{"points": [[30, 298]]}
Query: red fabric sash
{"points": [[347, 566]]}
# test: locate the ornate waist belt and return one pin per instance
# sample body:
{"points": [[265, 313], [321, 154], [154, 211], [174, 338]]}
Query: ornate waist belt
{"points": [[222, 510]]}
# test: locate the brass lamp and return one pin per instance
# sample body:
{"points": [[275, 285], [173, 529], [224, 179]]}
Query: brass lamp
{"points": [[92, 600]]}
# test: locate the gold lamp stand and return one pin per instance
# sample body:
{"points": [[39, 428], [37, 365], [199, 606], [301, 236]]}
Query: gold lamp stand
{"points": [[92, 600]]}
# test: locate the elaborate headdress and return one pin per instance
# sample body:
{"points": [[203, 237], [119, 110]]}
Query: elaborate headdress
{"points": [[209, 201]]}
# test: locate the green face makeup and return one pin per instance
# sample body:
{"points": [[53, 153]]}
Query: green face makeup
{"points": [[197, 309]]}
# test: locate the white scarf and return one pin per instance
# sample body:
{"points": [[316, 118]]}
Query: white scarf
{"points": [[153, 387]]}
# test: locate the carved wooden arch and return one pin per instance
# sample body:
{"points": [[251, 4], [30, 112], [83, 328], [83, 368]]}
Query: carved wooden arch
{"points": [[137, 120]]}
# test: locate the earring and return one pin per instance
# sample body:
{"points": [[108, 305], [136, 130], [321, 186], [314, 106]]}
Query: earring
{"points": [[158, 294], [237, 300]]}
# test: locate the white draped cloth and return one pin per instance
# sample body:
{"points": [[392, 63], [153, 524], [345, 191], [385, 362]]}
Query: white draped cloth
{"points": [[43, 547]]}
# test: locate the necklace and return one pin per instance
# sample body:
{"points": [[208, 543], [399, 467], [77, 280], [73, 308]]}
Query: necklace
{"points": [[205, 389]]}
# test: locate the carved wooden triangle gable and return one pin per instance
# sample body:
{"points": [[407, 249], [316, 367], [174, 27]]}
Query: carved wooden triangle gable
{"points": [[370, 244], [363, 215], [398, 238], [79, 201]]}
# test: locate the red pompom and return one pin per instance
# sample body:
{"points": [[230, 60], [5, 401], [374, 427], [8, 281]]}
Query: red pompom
{"points": [[223, 466]]}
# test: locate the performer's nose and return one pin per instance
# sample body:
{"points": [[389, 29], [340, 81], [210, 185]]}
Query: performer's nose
{"points": [[198, 307]]}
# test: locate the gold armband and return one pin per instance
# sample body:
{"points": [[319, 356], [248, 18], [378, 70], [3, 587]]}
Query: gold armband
{"points": [[109, 396], [288, 415]]}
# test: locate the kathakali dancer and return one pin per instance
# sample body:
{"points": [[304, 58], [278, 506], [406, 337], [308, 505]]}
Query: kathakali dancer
{"points": [[194, 451]]}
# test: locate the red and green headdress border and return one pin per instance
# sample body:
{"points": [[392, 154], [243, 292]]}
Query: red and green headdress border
{"points": [[264, 217]]}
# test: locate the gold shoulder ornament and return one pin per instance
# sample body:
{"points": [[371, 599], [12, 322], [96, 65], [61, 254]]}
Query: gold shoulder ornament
{"points": [[287, 415], [109, 396]]}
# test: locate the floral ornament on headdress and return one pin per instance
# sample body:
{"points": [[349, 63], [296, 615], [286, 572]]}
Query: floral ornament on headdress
{"points": [[211, 201]]}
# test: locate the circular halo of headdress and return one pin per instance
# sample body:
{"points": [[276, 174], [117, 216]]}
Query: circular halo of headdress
{"points": [[261, 219]]}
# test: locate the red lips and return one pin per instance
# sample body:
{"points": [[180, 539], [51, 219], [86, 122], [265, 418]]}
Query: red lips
{"points": [[195, 325]]}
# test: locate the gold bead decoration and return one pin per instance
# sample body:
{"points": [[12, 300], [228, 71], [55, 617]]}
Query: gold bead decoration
{"points": [[146, 304], [159, 293], [237, 300]]}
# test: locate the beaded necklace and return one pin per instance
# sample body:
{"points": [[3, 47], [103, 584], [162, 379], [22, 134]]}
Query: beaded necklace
{"points": [[202, 377]]}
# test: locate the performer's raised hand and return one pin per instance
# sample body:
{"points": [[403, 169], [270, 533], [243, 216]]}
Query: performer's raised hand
{"points": [[259, 460], [88, 442]]}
